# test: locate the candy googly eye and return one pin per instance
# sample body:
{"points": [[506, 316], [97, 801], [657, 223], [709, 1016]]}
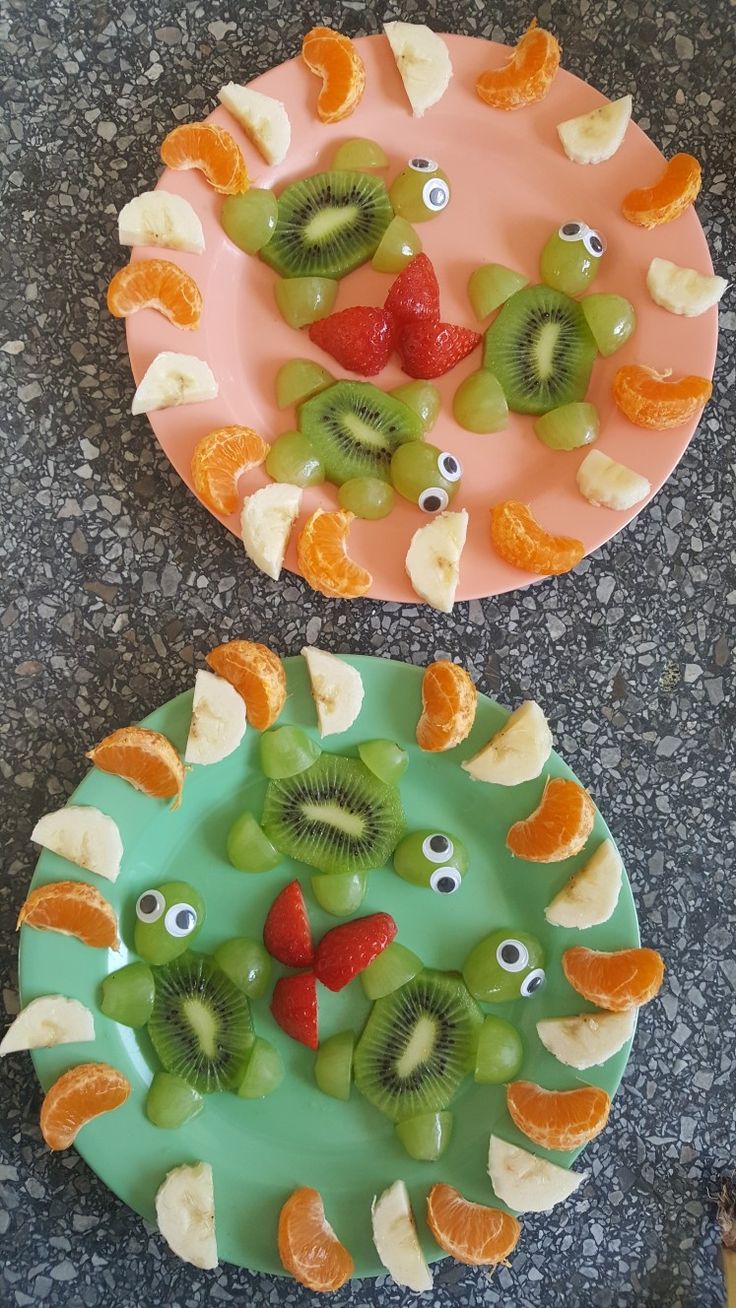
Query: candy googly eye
{"points": [[436, 194], [438, 848], [450, 467], [433, 500], [573, 231], [532, 983], [445, 880], [150, 906], [512, 955], [422, 165], [180, 920], [594, 243]]}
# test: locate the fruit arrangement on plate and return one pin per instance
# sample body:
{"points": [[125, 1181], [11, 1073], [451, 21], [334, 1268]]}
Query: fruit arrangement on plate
{"points": [[402, 966]]}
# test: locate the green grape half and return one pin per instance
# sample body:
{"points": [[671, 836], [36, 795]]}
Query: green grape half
{"points": [[569, 426], [170, 1102], [386, 760], [302, 300], [250, 219], [292, 459], [248, 846], [358, 155], [479, 404], [366, 497], [423, 398], [264, 1073], [247, 963], [298, 379], [500, 1052], [612, 320], [399, 243], [333, 1065], [285, 751], [340, 893], [492, 285], [426, 1136]]}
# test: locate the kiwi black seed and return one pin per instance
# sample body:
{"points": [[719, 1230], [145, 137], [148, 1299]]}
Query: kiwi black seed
{"points": [[328, 224], [201, 1025], [541, 350], [335, 816], [354, 428], [417, 1045]]}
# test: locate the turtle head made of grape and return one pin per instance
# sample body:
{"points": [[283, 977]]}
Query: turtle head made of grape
{"points": [[168, 919], [505, 965], [421, 191], [434, 859]]}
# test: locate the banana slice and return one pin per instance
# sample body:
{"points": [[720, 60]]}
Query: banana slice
{"points": [[592, 138], [433, 560], [337, 690], [84, 836], [683, 290], [160, 218], [423, 61], [174, 379], [612, 485], [396, 1240], [526, 1183], [587, 1040], [218, 720], [591, 895], [185, 1212], [263, 119], [46, 1021], [517, 752], [266, 520]]}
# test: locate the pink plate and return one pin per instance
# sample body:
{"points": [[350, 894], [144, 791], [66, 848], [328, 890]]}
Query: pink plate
{"points": [[511, 186]]}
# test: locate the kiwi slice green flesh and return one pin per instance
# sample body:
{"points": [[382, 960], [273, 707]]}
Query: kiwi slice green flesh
{"points": [[354, 429], [417, 1045], [328, 224], [201, 1025], [541, 350], [335, 816]]}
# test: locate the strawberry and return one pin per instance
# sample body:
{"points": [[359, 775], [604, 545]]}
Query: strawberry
{"points": [[294, 1007], [361, 339], [428, 349], [287, 934], [347, 949], [415, 294]]}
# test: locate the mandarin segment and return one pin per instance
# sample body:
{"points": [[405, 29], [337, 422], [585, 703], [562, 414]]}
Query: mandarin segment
{"points": [[449, 700], [656, 400], [528, 74], [616, 981], [219, 460], [672, 193], [333, 57], [156, 284], [74, 909], [143, 758], [308, 1246], [557, 1119], [523, 543], [76, 1097], [323, 559], [559, 826], [473, 1234], [257, 674], [212, 150]]}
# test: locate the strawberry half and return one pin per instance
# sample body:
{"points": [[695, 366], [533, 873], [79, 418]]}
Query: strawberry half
{"points": [[287, 934], [415, 295], [361, 339], [429, 349], [294, 1007], [347, 950]]}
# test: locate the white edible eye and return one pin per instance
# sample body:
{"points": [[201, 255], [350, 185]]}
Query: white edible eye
{"points": [[445, 880], [573, 231], [532, 983], [433, 499], [450, 467], [436, 194], [150, 906], [438, 848], [422, 165], [594, 243], [512, 955], [180, 920]]}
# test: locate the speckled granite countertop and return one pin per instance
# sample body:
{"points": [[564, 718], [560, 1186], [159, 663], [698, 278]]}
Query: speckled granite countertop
{"points": [[115, 581]]}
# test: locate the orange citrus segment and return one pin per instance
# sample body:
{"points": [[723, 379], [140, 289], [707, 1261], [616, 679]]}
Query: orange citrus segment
{"points": [[79, 1095], [558, 827], [333, 57], [257, 674], [212, 150], [156, 284], [657, 401], [308, 1246], [519, 539], [144, 758], [74, 909], [449, 701], [671, 194], [615, 981], [557, 1119], [219, 459], [471, 1233], [528, 74], [321, 553]]}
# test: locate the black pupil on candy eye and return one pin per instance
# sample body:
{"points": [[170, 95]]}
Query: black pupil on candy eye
{"points": [[148, 904], [597, 244], [436, 195], [510, 954], [534, 984], [420, 163], [438, 844], [571, 229], [185, 919], [449, 464], [445, 885], [431, 502]]}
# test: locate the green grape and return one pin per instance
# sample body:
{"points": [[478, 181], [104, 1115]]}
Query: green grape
{"points": [[567, 266], [292, 458], [302, 300], [168, 919], [433, 859], [426, 1136], [366, 497], [507, 964], [386, 760], [421, 191], [250, 220], [500, 1052], [392, 968], [492, 285], [418, 472], [264, 1073], [170, 1102], [423, 398], [128, 995], [298, 379], [611, 319], [247, 963], [396, 247], [358, 155], [569, 426], [248, 847], [340, 893], [333, 1065], [480, 404], [286, 751]]}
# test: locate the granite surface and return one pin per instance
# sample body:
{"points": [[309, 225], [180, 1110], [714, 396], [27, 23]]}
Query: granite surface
{"points": [[115, 582]]}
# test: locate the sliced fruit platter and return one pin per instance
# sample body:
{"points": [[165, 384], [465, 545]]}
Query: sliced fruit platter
{"points": [[331, 966], [392, 295]]}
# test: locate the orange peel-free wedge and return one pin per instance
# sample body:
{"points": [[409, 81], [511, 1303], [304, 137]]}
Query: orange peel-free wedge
{"points": [[557, 1119], [143, 758], [323, 560], [615, 981], [156, 284], [219, 460], [522, 542], [334, 58], [449, 700], [473, 1234], [308, 1246], [656, 400], [527, 75], [212, 150], [672, 193], [257, 674], [74, 909], [76, 1097], [559, 826]]}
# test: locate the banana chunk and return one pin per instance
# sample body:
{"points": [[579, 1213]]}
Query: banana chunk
{"points": [[517, 752], [266, 520], [683, 290], [263, 119], [433, 559], [609, 484], [161, 218], [591, 895], [594, 137], [173, 379], [185, 1212], [47, 1021], [423, 61], [84, 836]]}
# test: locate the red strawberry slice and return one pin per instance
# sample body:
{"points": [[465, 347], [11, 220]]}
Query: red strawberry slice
{"points": [[347, 949], [361, 339], [294, 1007], [287, 934], [415, 294], [429, 349]]}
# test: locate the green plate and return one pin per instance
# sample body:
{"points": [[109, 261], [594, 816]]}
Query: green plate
{"points": [[260, 1151]]}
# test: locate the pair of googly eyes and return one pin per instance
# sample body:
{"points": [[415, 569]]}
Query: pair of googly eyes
{"points": [[180, 920], [513, 956], [438, 848], [435, 498], [592, 240], [436, 192]]}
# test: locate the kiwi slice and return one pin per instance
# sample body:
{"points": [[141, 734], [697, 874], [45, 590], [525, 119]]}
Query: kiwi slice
{"points": [[328, 224], [417, 1045], [201, 1026], [541, 350], [336, 816], [354, 429]]}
